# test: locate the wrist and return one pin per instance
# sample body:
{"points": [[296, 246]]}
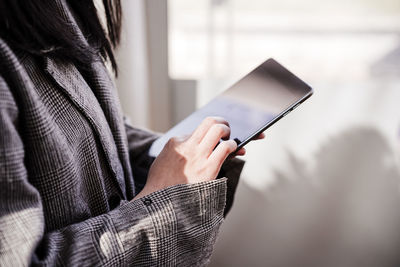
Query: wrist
{"points": [[145, 191]]}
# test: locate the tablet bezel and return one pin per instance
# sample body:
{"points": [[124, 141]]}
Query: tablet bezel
{"points": [[277, 118]]}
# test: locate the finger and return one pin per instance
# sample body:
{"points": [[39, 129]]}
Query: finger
{"points": [[222, 151], [241, 152], [204, 126], [212, 137], [259, 137]]}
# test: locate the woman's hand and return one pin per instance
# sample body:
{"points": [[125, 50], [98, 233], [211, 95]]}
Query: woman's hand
{"points": [[191, 159], [242, 151]]}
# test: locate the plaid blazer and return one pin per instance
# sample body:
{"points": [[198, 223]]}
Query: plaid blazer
{"points": [[69, 167]]}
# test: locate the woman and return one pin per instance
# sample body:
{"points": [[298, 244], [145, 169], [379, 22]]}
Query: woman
{"points": [[76, 186]]}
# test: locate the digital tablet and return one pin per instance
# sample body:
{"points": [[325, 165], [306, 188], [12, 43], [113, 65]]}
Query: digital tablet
{"points": [[251, 105]]}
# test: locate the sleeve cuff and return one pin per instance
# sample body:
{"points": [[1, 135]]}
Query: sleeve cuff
{"points": [[169, 212]]}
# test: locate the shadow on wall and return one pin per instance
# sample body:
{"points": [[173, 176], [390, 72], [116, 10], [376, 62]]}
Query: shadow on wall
{"points": [[346, 212], [389, 65]]}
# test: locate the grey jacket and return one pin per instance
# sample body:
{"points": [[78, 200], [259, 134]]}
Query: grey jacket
{"points": [[69, 167]]}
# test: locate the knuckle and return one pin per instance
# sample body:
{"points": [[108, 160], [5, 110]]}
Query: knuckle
{"points": [[229, 146], [225, 147], [227, 128], [210, 120], [172, 141], [218, 129], [180, 158], [179, 146], [222, 120]]}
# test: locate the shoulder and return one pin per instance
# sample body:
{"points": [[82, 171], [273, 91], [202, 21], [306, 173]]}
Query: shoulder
{"points": [[11, 67], [12, 73], [10, 59], [8, 64]]}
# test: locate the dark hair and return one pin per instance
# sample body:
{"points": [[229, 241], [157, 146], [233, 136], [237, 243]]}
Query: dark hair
{"points": [[36, 26]]}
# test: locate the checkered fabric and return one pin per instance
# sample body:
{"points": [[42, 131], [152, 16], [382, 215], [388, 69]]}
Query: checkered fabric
{"points": [[69, 166]]}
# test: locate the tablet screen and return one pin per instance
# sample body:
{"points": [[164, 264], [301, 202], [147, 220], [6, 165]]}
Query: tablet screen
{"points": [[249, 105]]}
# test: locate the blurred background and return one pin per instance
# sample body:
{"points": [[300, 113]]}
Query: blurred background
{"points": [[323, 188]]}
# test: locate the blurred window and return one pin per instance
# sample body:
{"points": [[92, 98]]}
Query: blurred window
{"points": [[322, 40], [348, 51]]}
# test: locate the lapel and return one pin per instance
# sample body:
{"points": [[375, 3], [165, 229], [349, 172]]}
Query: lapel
{"points": [[106, 93], [69, 79], [95, 95]]}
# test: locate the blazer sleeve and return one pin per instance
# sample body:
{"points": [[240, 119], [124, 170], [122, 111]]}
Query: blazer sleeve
{"points": [[175, 226]]}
